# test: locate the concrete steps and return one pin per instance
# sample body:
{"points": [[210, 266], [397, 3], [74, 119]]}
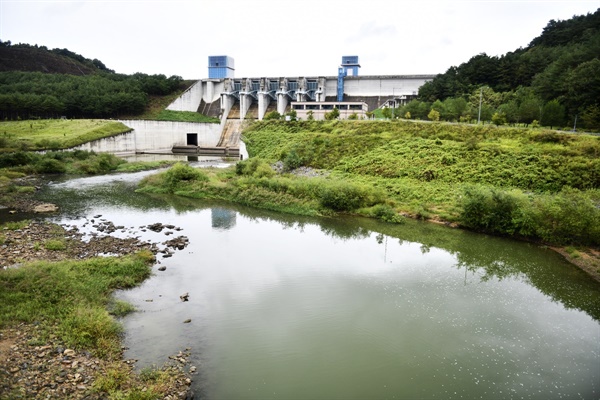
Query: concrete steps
{"points": [[210, 109]]}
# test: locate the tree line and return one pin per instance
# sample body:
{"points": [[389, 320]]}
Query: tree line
{"points": [[26, 95], [554, 81]]}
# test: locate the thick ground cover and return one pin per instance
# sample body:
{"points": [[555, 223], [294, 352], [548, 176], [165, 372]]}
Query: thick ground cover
{"points": [[535, 184]]}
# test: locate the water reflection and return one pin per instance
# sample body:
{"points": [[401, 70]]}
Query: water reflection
{"points": [[296, 307], [482, 256], [222, 218]]}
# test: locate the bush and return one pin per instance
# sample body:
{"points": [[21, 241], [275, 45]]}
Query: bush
{"points": [[568, 217], [183, 173], [386, 213], [341, 196], [50, 166], [16, 159], [254, 167], [98, 164], [264, 170], [490, 210], [272, 115], [291, 161]]}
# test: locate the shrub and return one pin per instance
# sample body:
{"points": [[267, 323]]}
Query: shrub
{"points": [[253, 167], [386, 213], [97, 164], [568, 217], [272, 115], [50, 166], [341, 196], [291, 161], [264, 170], [490, 210], [183, 173], [16, 159]]}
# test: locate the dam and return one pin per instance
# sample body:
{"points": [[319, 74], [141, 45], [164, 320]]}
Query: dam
{"points": [[236, 100], [226, 97]]}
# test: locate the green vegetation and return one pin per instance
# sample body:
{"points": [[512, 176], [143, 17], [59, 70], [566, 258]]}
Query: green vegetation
{"points": [[30, 95], [511, 181], [55, 244], [185, 116], [76, 162], [70, 298], [136, 166], [28, 57], [20, 164], [55, 134], [554, 80]]}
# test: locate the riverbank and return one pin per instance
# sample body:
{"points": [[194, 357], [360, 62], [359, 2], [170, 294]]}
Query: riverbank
{"points": [[535, 185], [42, 355]]}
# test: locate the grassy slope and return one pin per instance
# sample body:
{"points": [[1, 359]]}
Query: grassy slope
{"points": [[424, 166], [156, 109], [55, 134]]}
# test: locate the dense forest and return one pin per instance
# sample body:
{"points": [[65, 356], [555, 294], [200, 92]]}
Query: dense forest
{"points": [[88, 90], [553, 81]]}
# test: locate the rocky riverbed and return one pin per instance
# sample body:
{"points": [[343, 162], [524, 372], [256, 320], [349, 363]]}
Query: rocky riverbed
{"points": [[34, 368]]}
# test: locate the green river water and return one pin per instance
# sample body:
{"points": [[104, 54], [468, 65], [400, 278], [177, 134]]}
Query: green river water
{"points": [[285, 307]]}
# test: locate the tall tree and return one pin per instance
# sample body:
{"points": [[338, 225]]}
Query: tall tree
{"points": [[553, 114]]}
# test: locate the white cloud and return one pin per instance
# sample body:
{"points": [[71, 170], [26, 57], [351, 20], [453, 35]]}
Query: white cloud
{"points": [[282, 37]]}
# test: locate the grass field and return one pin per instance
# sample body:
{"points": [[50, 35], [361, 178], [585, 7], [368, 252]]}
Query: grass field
{"points": [[55, 134]]}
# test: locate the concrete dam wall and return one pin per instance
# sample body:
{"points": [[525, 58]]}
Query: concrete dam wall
{"points": [[156, 135]]}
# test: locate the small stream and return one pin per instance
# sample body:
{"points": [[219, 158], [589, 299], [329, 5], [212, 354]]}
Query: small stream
{"points": [[286, 307]]}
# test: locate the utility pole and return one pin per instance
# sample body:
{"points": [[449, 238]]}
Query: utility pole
{"points": [[480, 100]]}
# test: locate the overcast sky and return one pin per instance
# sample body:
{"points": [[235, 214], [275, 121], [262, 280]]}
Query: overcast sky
{"points": [[272, 38]]}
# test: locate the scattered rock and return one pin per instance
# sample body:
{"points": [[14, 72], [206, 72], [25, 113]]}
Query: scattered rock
{"points": [[157, 227], [162, 268], [184, 297], [178, 243], [45, 208], [25, 374], [187, 321], [69, 353]]}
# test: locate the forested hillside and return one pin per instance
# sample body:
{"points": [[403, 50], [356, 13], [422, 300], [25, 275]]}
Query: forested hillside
{"points": [[552, 81], [34, 58], [39, 83]]}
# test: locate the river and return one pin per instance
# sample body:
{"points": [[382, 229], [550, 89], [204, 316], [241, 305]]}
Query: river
{"points": [[286, 307]]}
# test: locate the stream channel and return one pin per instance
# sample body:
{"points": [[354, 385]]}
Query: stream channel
{"points": [[288, 307]]}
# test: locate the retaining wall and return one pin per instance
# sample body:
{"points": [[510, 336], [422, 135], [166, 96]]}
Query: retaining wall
{"points": [[155, 135]]}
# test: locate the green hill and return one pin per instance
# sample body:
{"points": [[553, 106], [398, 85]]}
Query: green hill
{"points": [[27, 58], [554, 80]]}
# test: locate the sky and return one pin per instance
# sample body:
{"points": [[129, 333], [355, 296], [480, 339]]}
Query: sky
{"points": [[276, 38]]}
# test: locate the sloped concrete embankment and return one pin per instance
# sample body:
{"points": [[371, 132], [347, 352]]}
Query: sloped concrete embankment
{"points": [[147, 136]]}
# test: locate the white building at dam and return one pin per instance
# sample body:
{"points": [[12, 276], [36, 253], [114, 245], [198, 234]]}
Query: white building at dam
{"points": [[226, 97]]}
